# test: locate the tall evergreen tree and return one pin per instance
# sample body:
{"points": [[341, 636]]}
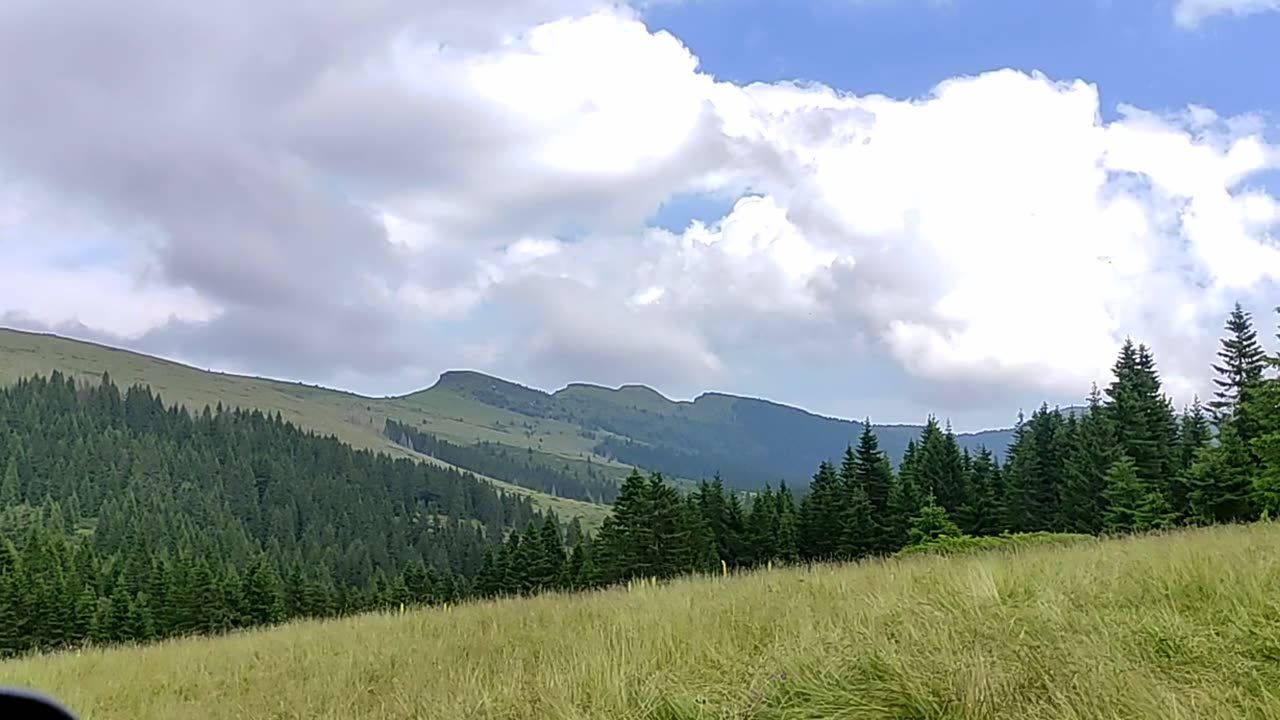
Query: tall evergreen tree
{"points": [[1142, 418], [1091, 452], [984, 513], [822, 513], [874, 474], [1242, 363], [940, 469]]}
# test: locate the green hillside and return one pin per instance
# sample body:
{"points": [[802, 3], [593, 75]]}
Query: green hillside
{"points": [[749, 441], [576, 441], [1181, 625], [353, 419]]}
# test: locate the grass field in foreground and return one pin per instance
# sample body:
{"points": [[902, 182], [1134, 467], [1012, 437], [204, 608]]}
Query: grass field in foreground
{"points": [[1179, 626]]}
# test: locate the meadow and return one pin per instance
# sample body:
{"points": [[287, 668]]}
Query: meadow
{"points": [[1170, 625]]}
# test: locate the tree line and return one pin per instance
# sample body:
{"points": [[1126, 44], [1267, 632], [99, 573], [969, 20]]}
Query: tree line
{"points": [[592, 483], [1126, 462], [126, 520]]}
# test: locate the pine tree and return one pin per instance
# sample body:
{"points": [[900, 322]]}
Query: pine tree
{"points": [[1193, 436], [1242, 366], [1023, 477], [984, 513], [703, 547], [940, 469], [1091, 452], [10, 489], [910, 498], [1133, 505], [858, 531], [489, 580], [874, 474], [262, 593], [1221, 482], [1264, 408], [931, 523], [630, 538], [1125, 494], [1142, 418], [673, 551], [822, 515], [788, 526], [762, 527], [572, 575], [550, 557]]}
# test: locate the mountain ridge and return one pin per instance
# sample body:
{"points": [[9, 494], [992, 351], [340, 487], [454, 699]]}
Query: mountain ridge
{"points": [[579, 436]]}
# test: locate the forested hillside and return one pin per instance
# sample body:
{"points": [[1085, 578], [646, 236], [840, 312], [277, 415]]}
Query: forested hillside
{"points": [[124, 519], [141, 513], [351, 418], [592, 483]]}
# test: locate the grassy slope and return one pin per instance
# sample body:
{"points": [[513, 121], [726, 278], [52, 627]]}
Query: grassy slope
{"points": [[352, 418], [1178, 626]]}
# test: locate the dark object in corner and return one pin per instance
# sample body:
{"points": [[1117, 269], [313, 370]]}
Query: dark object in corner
{"points": [[26, 705]]}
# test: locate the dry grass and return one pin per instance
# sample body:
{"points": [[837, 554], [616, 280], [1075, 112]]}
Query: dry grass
{"points": [[1179, 626], [352, 418]]}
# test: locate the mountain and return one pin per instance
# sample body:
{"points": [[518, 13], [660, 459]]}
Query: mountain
{"points": [[747, 440], [353, 419], [574, 443]]}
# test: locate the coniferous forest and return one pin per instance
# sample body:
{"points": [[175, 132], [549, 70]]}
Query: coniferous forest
{"points": [[124, 520]]}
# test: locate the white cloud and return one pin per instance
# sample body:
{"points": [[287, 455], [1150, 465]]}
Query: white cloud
{"points": [[994, 233], [1190, 13]]}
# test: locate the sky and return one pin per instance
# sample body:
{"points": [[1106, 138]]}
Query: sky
{"points": [[866, 208]]}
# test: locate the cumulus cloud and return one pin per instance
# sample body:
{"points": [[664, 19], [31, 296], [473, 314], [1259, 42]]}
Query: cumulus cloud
{"points": [[1190, 13], [326, 195]]}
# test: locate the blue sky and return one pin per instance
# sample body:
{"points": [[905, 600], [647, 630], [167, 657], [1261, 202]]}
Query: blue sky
{"points": [[1133, 51], [965, 251]]}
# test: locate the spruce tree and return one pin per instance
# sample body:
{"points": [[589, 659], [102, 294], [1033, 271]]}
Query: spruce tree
{"points": [[1125, 495], [1023, 479], [10, 489], [911, 497], [984, 513], [572, 579], [1264, 407], [1242, 364], [762, 527], [1193, 437], [673, 551], [549, 558], [262, 593], [1132, 504], [874, 474], [1220, 483], [858, 531], [788, 526], [931, 523], [939, 468], [1090, 454], [822, 515], [1142, 418]]}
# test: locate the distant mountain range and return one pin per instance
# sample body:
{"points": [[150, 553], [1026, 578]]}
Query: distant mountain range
{"points": [[748, 440], [583, 437]]}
